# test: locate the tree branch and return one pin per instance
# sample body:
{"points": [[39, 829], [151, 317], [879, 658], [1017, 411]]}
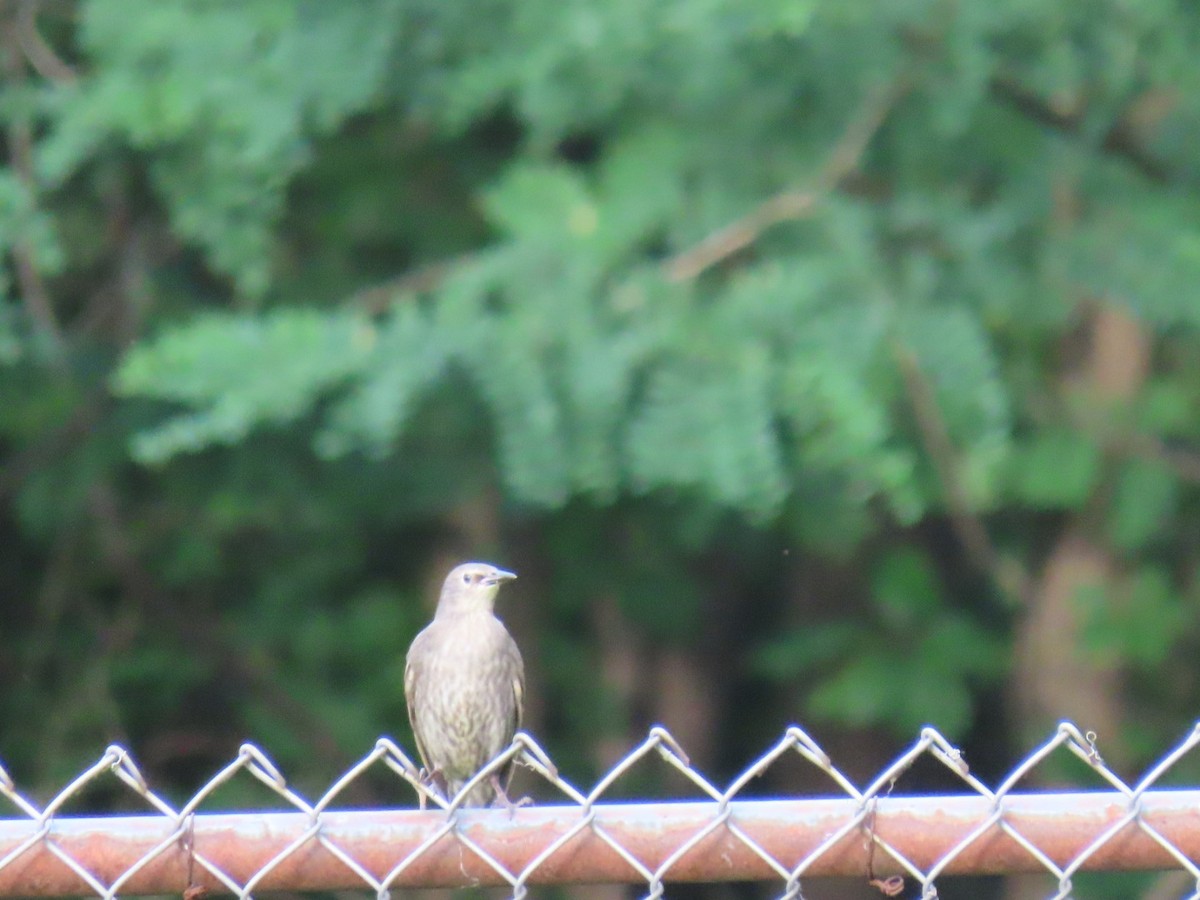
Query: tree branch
{"points": [[968, 527], [1120, 140], [20, 148], [792, 203], [377, 298], [41, 56]]}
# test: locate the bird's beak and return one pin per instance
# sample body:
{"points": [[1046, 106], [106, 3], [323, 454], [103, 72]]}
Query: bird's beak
{"points": [[499, 575]]}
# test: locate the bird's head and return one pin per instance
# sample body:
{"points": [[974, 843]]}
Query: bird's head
{"points": [[471, 587]]}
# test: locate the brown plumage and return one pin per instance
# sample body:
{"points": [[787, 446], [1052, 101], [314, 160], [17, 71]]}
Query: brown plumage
{"points": [[464, 681]]}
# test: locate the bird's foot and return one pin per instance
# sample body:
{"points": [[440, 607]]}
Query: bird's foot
{"points": [[433, 778], [503, 800]]}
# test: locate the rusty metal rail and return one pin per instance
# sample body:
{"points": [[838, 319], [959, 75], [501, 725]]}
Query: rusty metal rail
{"points": [[682, 841], [868, 832]]}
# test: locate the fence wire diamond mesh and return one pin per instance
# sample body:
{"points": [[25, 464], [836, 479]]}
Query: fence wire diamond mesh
{"points": [[897, 843]]}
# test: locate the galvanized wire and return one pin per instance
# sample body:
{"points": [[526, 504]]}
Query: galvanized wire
{"points": [[897, 843]]}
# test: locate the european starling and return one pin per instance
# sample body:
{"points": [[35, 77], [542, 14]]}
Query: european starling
{"points": [[464, 682]]}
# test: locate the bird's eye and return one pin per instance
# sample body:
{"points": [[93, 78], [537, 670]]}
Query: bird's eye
{"points": [[467, 577]]}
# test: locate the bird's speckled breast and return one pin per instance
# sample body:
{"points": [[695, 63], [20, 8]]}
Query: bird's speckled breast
{"points": [[463, 673]]}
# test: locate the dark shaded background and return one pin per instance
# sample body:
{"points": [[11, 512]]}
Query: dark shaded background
{"points": [[830, 363]]}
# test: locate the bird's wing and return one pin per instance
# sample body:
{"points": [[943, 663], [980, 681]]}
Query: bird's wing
{"points": [[410, 683], [519, 694], [518, 687]]}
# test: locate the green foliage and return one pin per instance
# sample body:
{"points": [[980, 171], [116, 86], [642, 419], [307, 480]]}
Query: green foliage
{"points": [[687, 433], [1136, 621], [1144, 501], [226, 98], [1145, 251], [10, 342], [22, 221], [268, 368], [914, 663], [1057, 467], [717, 316]]}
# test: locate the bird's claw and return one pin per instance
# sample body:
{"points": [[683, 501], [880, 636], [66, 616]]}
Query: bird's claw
{"points": [[503, 800], [431, 778]]}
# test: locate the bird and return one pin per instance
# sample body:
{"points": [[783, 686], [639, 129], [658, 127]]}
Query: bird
{"points": [[464, 683]]}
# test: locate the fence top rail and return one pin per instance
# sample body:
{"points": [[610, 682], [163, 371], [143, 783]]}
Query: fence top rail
{"points": [[717, 834]]}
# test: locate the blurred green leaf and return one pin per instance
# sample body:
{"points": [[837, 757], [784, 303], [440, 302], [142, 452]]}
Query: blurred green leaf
{"points": [[802, 649], [905, 588], [1133, 622], [542, 203], [239, 371], [1144, 500], [1058, 467]]}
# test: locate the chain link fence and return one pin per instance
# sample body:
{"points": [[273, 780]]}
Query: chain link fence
{"points": [[899, 844]]}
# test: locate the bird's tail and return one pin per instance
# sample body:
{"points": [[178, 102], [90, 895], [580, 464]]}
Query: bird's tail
{"points": [[481, 795]]}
